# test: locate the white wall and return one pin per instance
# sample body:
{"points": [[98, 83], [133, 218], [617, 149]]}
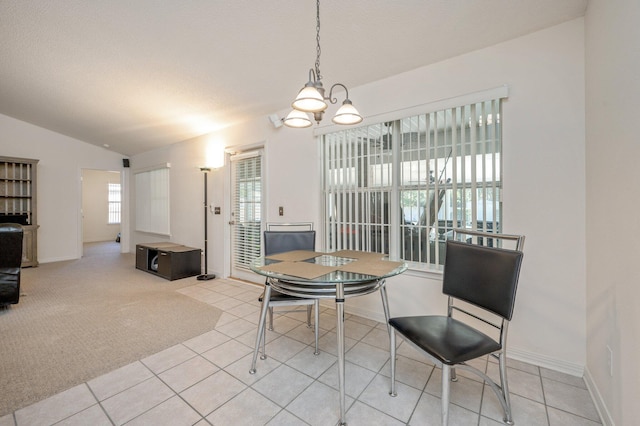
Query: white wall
{"points": [[95, 206], [186, 192], [543, 155], [59, 189], [291, 166], [544, 195], [613, 246]]}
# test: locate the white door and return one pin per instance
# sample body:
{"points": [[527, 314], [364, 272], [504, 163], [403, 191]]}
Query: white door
{"points": [[246, 214]]}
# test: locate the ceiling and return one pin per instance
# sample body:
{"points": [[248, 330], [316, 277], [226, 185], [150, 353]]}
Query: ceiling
{"points": [[135, 75]]}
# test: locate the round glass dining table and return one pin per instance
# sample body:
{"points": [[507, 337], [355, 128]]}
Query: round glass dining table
{"points": [[338, 284]]}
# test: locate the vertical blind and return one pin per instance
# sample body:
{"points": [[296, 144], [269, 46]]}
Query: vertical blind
{"points": [[247, 208], [400, 187], [152, 201]]}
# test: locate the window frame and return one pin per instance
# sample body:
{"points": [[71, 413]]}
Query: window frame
{"points": [[114, 206], [347, 193]]}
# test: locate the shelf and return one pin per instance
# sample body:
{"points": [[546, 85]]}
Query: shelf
{"points": [[18, 179]]}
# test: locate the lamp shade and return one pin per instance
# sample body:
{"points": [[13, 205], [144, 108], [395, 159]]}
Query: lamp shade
{"points": [[214, 155], [347, 114], [309, 99], [297, 119]]}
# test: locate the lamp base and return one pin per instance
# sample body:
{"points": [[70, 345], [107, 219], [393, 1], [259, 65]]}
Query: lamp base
{"points": [[205, 277]]}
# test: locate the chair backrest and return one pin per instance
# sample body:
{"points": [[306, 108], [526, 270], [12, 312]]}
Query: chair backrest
{"points": [[290, 226], [483, 276], [489, 239], [281, 241], [10, 245]]}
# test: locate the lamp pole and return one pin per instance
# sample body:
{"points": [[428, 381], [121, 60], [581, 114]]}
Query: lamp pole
{"points": [[205, 276]]}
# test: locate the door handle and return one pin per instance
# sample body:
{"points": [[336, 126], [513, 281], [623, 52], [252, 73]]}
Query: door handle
{"points": [[232, 222]]}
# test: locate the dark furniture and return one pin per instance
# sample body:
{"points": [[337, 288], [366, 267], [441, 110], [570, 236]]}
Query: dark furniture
{"points": [[18, 202], [11, 237], [481, 283], [280, 242], [168, 260]]}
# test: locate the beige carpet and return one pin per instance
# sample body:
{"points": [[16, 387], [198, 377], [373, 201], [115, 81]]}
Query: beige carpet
{"points": [[79, 319]]}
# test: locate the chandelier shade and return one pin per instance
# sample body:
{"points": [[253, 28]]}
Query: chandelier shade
{"points": [[309, 99], [297, 119], [347, 114]]}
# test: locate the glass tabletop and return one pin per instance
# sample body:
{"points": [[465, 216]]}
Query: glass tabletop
{"points": [[328, 269]]}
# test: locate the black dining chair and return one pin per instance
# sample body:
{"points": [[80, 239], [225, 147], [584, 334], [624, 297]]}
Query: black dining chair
{"points": [[279, 242], [480, 279]]}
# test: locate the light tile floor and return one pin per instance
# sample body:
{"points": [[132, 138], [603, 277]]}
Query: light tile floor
{"points": [[206, 380]]}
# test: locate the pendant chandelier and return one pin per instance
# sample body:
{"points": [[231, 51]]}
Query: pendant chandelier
{"points": [[311, 98]]}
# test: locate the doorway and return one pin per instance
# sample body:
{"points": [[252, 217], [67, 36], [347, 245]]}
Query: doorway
{"points": [[247, 183], [101, 206]]}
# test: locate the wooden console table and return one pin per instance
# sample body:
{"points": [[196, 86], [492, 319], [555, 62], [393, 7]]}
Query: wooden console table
{"points": [[168, 260]]}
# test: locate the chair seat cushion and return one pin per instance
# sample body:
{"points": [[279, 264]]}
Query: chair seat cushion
{"points": [[446, 339]]}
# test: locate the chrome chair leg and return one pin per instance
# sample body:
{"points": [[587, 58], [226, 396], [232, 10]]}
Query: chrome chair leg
{"points": [[271, 318], [454, 376], [316, 324], [392, 361], [263, 355], [446, 388], [261, 337], [502, 365], [340, 337]]}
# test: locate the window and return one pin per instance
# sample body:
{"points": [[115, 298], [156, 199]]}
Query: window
{"points": [[152, 201], [114, 203], [401, 186]]}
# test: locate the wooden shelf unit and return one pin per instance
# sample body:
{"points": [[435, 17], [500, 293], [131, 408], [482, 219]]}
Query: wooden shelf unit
{"points": [[18, 201]]}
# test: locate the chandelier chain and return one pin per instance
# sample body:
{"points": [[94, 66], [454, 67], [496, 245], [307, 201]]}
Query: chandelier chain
{"points": [[318, 76]]}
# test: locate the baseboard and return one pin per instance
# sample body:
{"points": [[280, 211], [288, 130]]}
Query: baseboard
{"points": [[554, 364], [364, 313], [596, 396], [56, 259]]}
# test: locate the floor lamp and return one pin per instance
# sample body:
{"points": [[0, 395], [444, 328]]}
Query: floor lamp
{"points": [[205, 276]]}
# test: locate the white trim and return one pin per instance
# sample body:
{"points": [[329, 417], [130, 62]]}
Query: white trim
{"points": [[239, 270], [598, 401], [466, 99], [151, 168], [554, 364], [246, 154]]}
